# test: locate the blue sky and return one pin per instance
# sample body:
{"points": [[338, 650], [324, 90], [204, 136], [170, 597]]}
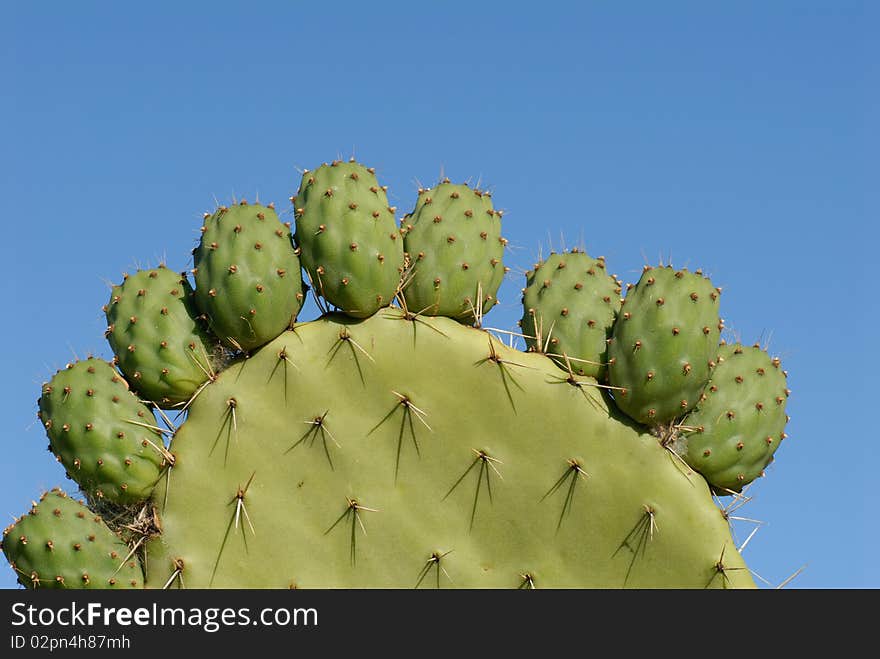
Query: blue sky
{"points": [[740, 138]]}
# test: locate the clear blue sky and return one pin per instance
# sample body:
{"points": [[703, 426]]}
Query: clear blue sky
{"points": [[741, 138]]}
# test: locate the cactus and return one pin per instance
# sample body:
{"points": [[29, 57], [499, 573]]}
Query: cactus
{"points": [[60, 543], [569, 307], [405, 448], [101, 432], [390, 477], [453, 242], [248, 276], [157, 338], [663, 343], [739, 422], [348, 239]]}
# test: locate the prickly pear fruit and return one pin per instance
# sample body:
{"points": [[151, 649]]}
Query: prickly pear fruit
{"points": [[455, 250], [348, 239], [248, 276], [740, 420], [662, 344], [60, 543], [159, 343], [569, 306], [101, 432]]}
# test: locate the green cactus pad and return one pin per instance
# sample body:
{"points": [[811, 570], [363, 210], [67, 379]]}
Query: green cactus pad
{"points": [[335, 457], [62, 544], [101, 432], [160, 345], [569, 306], [740, 420], [662, 345], [248, 276], [453, 242], [348, 239]]}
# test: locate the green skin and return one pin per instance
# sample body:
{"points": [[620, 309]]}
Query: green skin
{"points": [[60, 543], [160, 344], [453, 241], [333, 457], [740, 419], [248, 276], [569, 307], [663, 343], [98, 430], [348, 239]]}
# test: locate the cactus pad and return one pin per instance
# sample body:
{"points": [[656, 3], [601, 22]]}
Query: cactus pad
{"points": [[365, 470]]}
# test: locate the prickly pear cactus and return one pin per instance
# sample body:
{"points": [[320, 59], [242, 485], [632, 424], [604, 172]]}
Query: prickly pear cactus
{"points": [[157, 337], [740, 420], [388, 476], [105, 437], [248, 277], [407, 447], [663, 344], [60, 543], [455, 252], [348, 239], [569, 306]]}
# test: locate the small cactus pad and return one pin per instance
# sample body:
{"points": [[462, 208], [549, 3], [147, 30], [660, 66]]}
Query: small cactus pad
{"points": [[361, 468], [663, 343], [740, 419], [248, 276], [101, 432], [569, 306], [160, 345], [62, 544], [455, 251], [348, 239]]}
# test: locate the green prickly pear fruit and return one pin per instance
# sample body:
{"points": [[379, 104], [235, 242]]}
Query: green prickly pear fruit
{"points": [[569, 306], [158, 340], [455, 251], [740, 420], [60, 543], [348, 239], [101, 432], [248, 276], [663, 343]]}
